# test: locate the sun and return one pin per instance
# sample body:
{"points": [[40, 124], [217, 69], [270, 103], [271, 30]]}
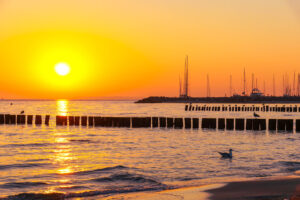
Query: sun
{"points": [[62, 69]]}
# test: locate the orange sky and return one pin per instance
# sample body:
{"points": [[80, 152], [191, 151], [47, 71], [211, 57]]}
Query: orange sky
{"points": [[137, 48]]}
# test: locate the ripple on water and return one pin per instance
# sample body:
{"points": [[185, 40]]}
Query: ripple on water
{"points": [[12, 185], [22, 165]]}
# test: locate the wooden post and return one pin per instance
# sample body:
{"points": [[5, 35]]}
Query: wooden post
{"points": [[115, 121], [205, 123], [239, 124], [289, 125], [38, 119], [280, 125], [229, 124], [195, 123], [12, 119], [162, 122], [61, 120], [77, 120], [2, 119], [7, 118], [98, 121], [71, 121], [249, 124], [29, 119], [170, 122], [125, 122], [83, 120], [64, 120], [47, 119], [154, 122], [212, 123], [23, 119], [262, 124], [297, 125], [141, 122], [187, 123], [272, 124], [256, 124], [178, 123], [58, 121], [221, 123], [19, 119], [91, 121], [109, 123]]}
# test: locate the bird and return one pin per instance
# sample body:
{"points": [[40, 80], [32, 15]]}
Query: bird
{"points": [[226, 155], [22, 112], [256, 115]]}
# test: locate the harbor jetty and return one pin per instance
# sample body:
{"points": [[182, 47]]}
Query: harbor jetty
{"points": [[232, 99]]}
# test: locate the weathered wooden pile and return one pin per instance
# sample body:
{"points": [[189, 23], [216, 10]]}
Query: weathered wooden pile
{"points": [[239, 124], [243, 108]]}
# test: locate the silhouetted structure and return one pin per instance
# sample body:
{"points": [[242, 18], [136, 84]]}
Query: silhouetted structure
{"points": [[208, 87], [185, 93]]}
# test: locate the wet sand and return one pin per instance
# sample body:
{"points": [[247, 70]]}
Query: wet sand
{"points": [[279, 189], [287, 188]]}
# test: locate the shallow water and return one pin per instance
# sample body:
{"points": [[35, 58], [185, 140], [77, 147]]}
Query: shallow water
{"points": [[84, 162]]}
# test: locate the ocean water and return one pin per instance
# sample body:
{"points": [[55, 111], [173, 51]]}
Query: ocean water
{"points": [[83, 162]]}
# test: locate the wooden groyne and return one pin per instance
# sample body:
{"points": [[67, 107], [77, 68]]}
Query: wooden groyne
{"points": [[242, 108], [230, 124]]}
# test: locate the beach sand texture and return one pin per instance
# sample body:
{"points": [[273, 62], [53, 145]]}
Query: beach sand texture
{"points": [[279, 189]]}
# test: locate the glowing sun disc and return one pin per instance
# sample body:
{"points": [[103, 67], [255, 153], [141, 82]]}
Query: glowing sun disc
{"points": [[62, 69]]}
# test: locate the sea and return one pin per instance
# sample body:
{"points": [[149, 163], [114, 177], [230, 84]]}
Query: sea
{"points": [[69, 162]]}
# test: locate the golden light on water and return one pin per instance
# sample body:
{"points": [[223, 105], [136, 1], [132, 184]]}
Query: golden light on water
{"points": [[61, 140], [62, 107], [63, 155], [66, 170]]}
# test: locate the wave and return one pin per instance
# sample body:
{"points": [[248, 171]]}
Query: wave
{"points": [[15, 145], [117, 167], [62, 196], [21, 184], [23, 165], [127, 177], [30, 196], [78, 140], [291, 139], [25, 145], [290, 166]]}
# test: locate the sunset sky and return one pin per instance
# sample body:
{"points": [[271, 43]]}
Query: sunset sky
{"points": [[136, 48]]}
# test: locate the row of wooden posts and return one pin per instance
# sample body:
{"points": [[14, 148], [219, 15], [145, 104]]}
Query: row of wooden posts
{"points": [[162, 122], [243, 108], [23, 119]]}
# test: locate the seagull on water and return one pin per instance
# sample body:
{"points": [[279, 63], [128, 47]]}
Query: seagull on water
{"points": [[226, 155], [256, 115]]}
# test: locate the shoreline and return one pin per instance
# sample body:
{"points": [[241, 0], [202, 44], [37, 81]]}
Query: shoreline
{"points": [[279, 188]]}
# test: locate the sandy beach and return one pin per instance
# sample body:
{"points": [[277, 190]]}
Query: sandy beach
{"points": [[276, 189]]}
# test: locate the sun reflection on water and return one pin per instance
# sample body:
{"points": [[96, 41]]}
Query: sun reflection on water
{"points": [[62, 107], [62, 157], [66, 170]]}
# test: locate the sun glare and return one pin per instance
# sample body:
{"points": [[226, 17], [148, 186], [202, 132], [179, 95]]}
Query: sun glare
{"points": [[62, 69]]}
